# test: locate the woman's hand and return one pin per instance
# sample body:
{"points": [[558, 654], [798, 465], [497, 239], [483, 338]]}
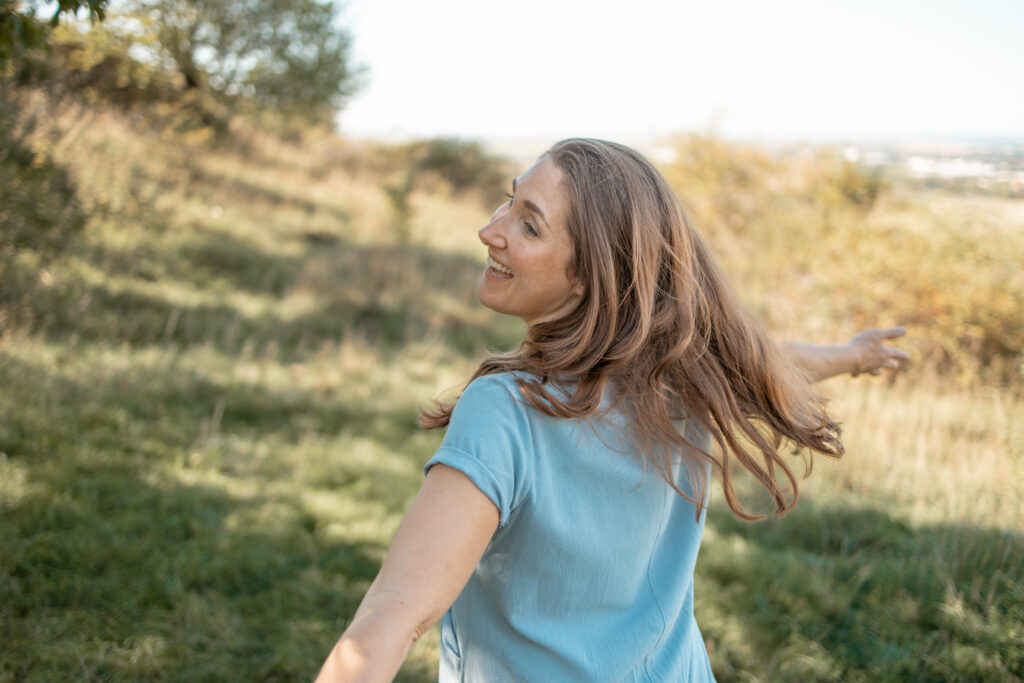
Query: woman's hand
{"points": [[873, 355], [865, 353]]}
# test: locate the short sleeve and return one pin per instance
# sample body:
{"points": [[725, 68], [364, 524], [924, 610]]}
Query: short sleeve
{"points": [[489, 440]]}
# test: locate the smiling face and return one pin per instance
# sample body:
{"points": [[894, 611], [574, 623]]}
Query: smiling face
{"points": [[529, 250]]}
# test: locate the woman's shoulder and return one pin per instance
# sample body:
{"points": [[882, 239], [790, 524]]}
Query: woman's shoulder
{"points": [[507, 379], [514, 386], [495, 384], [497, 391]]}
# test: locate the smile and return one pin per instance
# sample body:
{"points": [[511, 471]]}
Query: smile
{"points": [[498, 267]]}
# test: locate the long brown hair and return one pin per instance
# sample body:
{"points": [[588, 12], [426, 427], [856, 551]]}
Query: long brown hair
{"points": [[658, 322]]}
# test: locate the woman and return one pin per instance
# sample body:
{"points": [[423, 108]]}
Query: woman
{"points": [[563, 512]]}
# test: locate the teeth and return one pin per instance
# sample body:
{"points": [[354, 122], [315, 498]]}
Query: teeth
{"points": [[498, 267]]}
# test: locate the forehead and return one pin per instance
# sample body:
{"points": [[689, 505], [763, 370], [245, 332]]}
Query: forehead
{"points": [[542, 185]]}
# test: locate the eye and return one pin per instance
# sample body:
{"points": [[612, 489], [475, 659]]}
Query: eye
{"points": [[527, 226]]}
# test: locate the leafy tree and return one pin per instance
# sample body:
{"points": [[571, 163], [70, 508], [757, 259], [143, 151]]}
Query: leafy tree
{"points": [[464, 164], [286, 55], [22, 29]]}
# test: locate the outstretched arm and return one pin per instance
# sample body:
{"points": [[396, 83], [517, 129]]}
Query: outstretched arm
{"points": [[433, 554], [866, 352]]}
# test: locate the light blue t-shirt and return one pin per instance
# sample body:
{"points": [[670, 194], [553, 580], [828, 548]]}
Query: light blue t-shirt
{"points": [[589, 576]]}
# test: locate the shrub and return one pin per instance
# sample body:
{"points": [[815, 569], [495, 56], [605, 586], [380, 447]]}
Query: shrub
{"points": [[39, 208]]}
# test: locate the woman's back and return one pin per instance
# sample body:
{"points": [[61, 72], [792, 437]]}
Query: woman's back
{"points": [[590, 573], [554, 548]]}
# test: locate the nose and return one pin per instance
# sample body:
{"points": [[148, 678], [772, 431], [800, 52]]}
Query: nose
{"points": [[492, 234]]}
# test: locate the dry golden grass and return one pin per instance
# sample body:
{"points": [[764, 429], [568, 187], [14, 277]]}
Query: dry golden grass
{"points": [[938, 454]]}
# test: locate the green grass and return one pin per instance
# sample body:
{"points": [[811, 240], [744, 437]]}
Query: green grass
{"points": [[207, 439], [844, 589]]}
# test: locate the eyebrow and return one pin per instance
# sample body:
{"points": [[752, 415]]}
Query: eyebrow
{"points": [[530, 205]]}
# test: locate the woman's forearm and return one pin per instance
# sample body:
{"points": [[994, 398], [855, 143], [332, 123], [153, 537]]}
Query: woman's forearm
{"points": [[374, 645], [865, 353], [821, 362]]}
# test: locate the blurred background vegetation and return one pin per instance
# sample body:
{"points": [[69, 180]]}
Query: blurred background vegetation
{"points": [[218, 319]]}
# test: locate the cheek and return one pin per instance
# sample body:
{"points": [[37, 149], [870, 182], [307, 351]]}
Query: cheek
{"points": [[564, 266], [558, 279]]}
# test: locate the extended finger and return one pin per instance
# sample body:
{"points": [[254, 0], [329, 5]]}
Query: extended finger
{"points": [[892, 332]]}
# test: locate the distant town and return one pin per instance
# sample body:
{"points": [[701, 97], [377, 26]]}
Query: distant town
{"points": [[987, 167]]}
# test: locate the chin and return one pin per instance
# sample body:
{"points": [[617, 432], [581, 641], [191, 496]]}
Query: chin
{"points": [[483, 298], [481, 292]]}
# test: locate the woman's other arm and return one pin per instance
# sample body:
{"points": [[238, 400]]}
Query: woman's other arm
{"points": [[433, 554], [866, 352]]}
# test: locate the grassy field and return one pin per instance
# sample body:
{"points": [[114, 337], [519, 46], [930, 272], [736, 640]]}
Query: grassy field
{"points": [[208, 403]]}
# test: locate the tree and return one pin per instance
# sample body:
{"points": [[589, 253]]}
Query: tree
{"points": [[287, 55], [21, 29]]}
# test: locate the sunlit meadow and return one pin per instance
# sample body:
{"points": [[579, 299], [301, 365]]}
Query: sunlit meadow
{"points": [[208, 402]]}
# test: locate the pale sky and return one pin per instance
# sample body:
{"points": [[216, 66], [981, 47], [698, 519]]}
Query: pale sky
{"points": [[637, 69]]}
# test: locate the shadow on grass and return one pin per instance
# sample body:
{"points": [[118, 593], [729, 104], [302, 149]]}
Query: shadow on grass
{"points": [[119, 560], [843, 590], [115, 578], [233, 189], [208, 259], [160, 411], [388, 296]]}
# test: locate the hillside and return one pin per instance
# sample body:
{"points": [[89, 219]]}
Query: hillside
{"points": [[214, 346]]}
